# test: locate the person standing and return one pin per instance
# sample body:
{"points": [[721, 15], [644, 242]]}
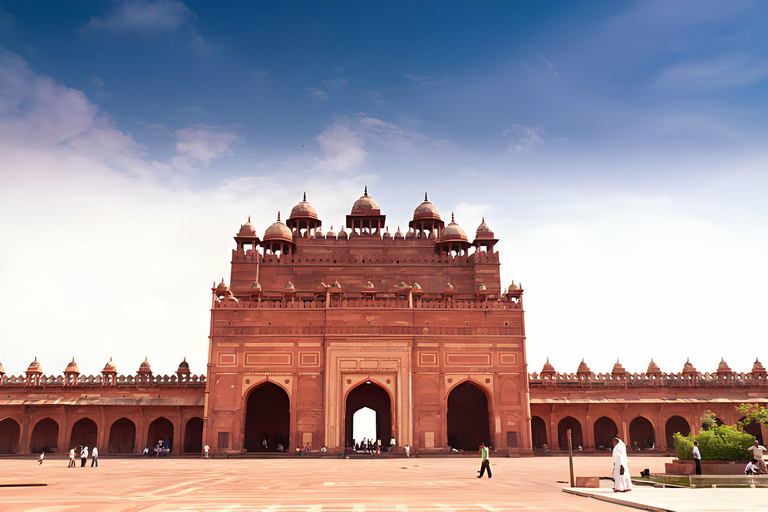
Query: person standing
{"points": [[407, 451], [40, 460], [757, 452], [697, 457], [486, 464], [83, 456], [71, 458], [205, 451], [622, 482], [95, 457]]}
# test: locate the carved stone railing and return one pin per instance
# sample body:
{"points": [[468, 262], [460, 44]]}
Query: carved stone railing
{"points": [[383, 330], [100, 381], [714, 379], [400, 302]]}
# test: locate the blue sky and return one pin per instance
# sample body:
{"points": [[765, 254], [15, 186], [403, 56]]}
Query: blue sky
{"points": [[617, 148]]}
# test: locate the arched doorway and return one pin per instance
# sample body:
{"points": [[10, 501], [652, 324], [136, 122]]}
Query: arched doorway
{"points": [[641, 435], [193, 436], [674, 425], [160, 430], [468, 418], [45, 436], [538, 432], [267, 417], [122, 436], [605, 428], [374, 397], [10, 432], [569, 422], [754, 429], [84, 433]]}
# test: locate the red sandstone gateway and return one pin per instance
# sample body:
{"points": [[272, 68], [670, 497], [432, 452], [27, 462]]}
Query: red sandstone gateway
{"points": [[316, 326]]}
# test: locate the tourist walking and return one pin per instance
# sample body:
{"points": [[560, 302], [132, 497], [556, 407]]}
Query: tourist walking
{"points": [[697, 457], [486, 464], [757, 452], [622, 482], [71, 458], [407, 451], [83, 456], [95, 457], [205, 451], [40, 460]]}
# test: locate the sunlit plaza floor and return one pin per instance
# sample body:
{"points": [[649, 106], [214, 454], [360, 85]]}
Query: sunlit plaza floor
{"points": [[299, 484]]}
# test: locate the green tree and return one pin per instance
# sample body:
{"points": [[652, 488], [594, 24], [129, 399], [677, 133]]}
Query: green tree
{"points": [[753, 413], [718, 443]]}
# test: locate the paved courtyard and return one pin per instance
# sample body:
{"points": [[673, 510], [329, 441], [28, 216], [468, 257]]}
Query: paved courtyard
{"points": [[316, 485]]}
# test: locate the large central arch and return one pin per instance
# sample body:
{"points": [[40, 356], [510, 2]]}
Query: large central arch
{"points": [[370, 395], [267, 417], [468, 418]]}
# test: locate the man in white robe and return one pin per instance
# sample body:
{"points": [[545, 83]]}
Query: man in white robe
{"points": [[622, 482]]}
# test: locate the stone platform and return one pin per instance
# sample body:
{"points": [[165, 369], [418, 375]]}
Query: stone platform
{"points": [[308, 484]]}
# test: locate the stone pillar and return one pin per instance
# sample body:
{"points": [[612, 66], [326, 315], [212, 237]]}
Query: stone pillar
{"points": [[103, 437], [554, 445], [65, 431], [25, 431], [588, 431]]}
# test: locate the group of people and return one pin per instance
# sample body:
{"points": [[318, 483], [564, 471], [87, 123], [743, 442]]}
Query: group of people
{"points": [[368, 446], [756, 466], [84, 457]]}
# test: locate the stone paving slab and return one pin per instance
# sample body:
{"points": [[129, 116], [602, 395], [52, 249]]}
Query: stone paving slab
{"points": [[309, 485], [682, 500]]}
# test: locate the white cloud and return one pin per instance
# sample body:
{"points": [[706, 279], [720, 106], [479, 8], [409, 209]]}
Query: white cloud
{"points": [[524, 138], [143, 15], [335, 84], [417, 78], [343, 147], [204, 143], [317, 93], [198, 44], [722, 73]]}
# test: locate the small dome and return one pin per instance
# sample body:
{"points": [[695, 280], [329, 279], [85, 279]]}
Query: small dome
{"points": [[247, 230], [688, 367], [303, 210], [410, 234], [583, 368], [222, 286], [426, 210], [399, 234], [289, 286], [483, 227], [72, 367], [34, 367], [184, 365], [618, 369], [513, 286], [343, 234], [387, 235], [548, 369], [653, 368], [109, 367], [453, 233], [278, 232], [484, 232], [2, 370], [144, 366], [319, 233], [331, 233], [758, 367], [723, 367], [365, 202]]}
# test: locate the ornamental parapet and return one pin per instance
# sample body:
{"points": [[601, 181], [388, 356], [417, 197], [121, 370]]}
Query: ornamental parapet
{"points": [[569, 380], [390, 303], [343, 330], [436, 259], [99, 380]]}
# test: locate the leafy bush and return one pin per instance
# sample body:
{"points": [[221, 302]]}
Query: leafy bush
{"points": [[717, 443]]}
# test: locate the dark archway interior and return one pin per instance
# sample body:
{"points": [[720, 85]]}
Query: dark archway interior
{"points": [[84, 433], [754, 429], [9, 436], [267, 416], [468, 418], [160, 430], [45, 436], [674, 425], [569, 422], [641, 434], [538, 432], [122, 436], [193, 436], [374, 397], [605, 429]]}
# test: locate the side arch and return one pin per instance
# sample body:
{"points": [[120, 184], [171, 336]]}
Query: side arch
{"points": [[122, 436], [85, 432], [468, 416], [538, 432], [604, 430], [642, 435], [45, 436], [10, 435], [193, 435], [267, 417], [577, 436]]}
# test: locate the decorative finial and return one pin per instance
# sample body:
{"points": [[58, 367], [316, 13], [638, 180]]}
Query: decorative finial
{"points": [[452, 219], [366, 191], [425, 197], [278, 216], [249, 218], [483, 220], [305, 197], [185, 359]]}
